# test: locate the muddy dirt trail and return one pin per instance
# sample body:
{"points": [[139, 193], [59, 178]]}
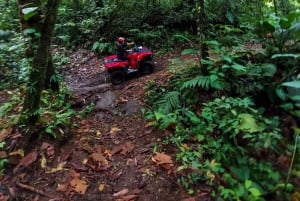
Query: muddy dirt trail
{"points": [[109, 155]]}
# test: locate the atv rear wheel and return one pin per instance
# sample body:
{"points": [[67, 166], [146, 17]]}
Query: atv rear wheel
{"points": [[147, 68], [117, 76]]}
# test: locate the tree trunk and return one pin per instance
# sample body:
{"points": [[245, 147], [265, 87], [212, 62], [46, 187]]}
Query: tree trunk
{"points": [[37, 51], [75, 5], [99, 3], [285, 7], [275, 7], [202, 32], [259, 12], [51, 81]]}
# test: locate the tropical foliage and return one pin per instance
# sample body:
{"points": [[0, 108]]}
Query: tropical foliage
{"points": [[225, 110]]}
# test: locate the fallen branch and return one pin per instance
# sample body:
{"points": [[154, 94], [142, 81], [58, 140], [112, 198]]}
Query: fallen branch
{"points": [[32, 189]]}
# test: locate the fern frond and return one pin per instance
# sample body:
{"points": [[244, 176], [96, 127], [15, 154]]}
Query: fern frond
{"points": [[199, 81], [170, 101]]}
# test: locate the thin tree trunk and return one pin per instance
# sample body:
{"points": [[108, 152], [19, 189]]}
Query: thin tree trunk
{"points": [[275, 7], [38, 51], [75, 5], [259, 6], [99, 3], [202, 32], [51, 81]]}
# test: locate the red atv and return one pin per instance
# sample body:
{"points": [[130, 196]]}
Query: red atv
{"points": [[140, 62]]}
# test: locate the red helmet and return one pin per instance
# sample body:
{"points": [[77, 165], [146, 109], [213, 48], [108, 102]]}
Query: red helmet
{"points": [[121, 40]]}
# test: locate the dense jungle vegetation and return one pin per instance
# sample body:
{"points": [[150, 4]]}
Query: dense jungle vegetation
{"points": [[232, 109]]}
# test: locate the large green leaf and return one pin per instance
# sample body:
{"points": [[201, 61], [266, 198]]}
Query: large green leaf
{"points": [[281, 93], [96, 45], [189, 51], [264, 27], [285, 55], [229, 16], [268, 70], [26, 11], [29, 12], [286, 22], [228, 59], [293, 84], [248, 123], [182, 37], [242, 172], [239, 67], [212, 42]]}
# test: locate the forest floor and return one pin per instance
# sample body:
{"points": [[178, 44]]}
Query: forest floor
{"points": [[113, 154]]}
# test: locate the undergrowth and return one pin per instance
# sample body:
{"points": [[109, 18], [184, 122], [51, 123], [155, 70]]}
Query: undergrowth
{"points": [[56, 111], [224, 139]]}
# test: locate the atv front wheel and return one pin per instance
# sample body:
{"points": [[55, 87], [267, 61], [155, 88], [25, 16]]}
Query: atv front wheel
{"points": [[117, 77], [147, 68]]}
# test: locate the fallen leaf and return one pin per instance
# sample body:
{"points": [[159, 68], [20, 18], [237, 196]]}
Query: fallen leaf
{"points": [[127, 148], [19, 152], [114, 130], [88, 149], [62, 187], [116, 150], [43, 162], [295, 196], [45, 145], [36, 198], [167, 166], [107, 152], [97, 157], [123, 100], [3, 154], [100, 149], [26, 161], [129, 197], [75, 174], [189, 199], [136, 191], [121, 193], [131, 162], [161, 158], [5, 132], [283, 160], [59, 167], [101, 187], [98, 133], [4, 197], [79, 185], [84, 161]]}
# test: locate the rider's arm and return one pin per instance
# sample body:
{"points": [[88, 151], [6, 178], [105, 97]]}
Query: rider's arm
{"points": [[131, 43]]}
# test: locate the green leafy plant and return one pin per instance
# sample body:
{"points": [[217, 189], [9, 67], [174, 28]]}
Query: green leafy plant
{"points": [[288, 92], [8, 109], [55, 113], [14, 67], [226, 133], [284, 32], [87, 110], [3, 161], [101, 46]]}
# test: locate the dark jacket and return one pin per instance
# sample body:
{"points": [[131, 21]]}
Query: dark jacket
{"points": [[121, 52]]}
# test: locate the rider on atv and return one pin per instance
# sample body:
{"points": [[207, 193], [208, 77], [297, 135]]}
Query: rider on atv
{"points": [[138, 59], [122, 53]]}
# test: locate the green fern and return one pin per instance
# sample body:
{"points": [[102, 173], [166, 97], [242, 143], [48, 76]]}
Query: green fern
{"points": [[214, 81], [170, 101], [199, 81]]}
